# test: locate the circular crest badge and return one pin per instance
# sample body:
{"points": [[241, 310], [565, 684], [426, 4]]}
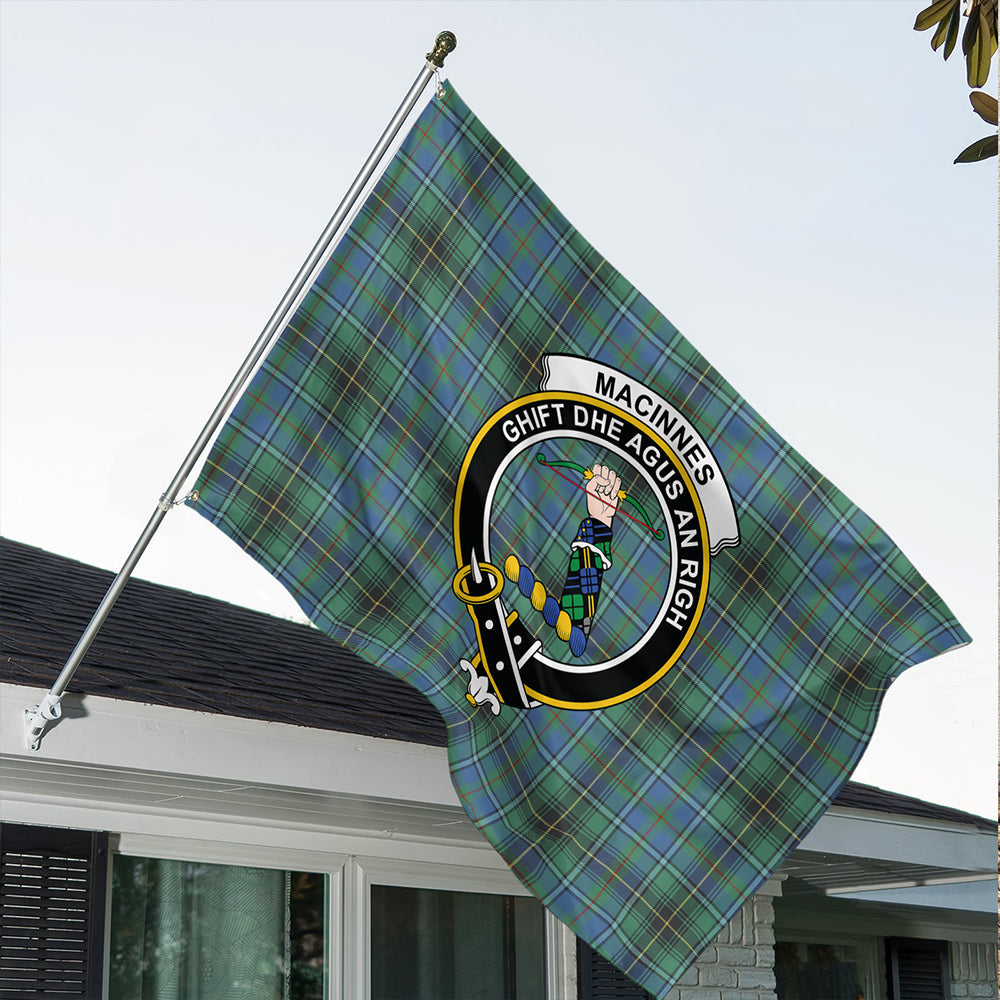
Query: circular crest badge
{"points": [[583, 541]]}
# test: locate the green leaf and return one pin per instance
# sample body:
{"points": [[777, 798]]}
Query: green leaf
{"points": [[981, 51], [930, 16], [985, 105], [970, 35], [981, 149], [944, 29], [954, 23]]}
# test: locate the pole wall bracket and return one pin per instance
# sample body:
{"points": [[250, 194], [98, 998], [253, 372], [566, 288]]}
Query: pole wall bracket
{"points": [[37, 718]]}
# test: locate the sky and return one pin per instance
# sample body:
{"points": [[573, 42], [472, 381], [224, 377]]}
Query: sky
{"points": [[776, 177]]}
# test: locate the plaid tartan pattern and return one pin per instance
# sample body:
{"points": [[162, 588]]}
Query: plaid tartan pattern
{"points": [[645, 824]]}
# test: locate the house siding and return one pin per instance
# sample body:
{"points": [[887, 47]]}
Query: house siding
{"points": [[973, 970]]}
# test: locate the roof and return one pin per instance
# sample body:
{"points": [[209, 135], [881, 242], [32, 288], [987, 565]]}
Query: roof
{"points": [[168, 647], [857, 796]]}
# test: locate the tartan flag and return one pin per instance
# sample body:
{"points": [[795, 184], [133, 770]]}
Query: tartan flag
{"points": [[658, 637]]}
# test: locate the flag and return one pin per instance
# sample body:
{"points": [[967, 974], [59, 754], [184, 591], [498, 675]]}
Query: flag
{"points": [[658, 637]]}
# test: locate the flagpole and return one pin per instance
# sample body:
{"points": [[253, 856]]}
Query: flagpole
{"points": [[37, 717]]}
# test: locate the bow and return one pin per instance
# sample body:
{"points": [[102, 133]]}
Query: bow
{"points": [[622, 495]]}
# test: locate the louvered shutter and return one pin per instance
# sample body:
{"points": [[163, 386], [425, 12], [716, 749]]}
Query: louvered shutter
{"points": [[53, 889], [918, 969], [600, 980]]}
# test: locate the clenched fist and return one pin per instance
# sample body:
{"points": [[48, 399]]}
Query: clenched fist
{"points": [[602, 494]]}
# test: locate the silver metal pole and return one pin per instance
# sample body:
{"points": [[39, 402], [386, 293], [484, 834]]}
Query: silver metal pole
{"points": [[37, 717]]}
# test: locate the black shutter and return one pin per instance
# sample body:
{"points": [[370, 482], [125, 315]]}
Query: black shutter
{"points": [[600, 980], [917, 969], [53, 889]]}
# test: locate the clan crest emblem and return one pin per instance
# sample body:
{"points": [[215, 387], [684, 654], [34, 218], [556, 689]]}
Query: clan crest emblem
{"points": [[629, 504]]}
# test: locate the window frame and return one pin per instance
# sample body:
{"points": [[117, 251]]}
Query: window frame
{"points": [[165, 848], [361, 873]]}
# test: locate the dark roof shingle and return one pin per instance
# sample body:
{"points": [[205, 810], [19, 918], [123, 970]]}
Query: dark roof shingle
{"points": [[168, 647]]}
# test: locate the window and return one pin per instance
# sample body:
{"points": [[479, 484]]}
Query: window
{"points": [[428, 931], [432, 944], [183, 930], [807, 970]]}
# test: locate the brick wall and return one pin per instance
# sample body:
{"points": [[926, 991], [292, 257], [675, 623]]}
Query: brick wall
{"points": [[973, 970], [739, 964]]}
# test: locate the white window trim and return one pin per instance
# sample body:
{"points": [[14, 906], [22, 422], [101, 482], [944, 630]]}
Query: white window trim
{"points": [[228, 853]]}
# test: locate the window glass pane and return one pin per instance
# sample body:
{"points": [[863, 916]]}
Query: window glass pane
{"points": [[190, 931], [428, 944], [806, 971], [307, 907]]}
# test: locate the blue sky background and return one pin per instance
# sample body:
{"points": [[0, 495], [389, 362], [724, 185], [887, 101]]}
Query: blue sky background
{"points": [[776, 177]]}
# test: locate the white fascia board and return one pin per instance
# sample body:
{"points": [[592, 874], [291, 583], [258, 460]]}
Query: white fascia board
{"points": [[968, 897], [904, 839], [113, 733]]}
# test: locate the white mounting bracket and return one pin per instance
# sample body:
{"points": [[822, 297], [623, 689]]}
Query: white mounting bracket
{"points": [[37, 717]]}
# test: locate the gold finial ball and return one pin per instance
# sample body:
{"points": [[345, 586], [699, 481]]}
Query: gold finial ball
{"points": [[443, 44], [470, 699]]}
